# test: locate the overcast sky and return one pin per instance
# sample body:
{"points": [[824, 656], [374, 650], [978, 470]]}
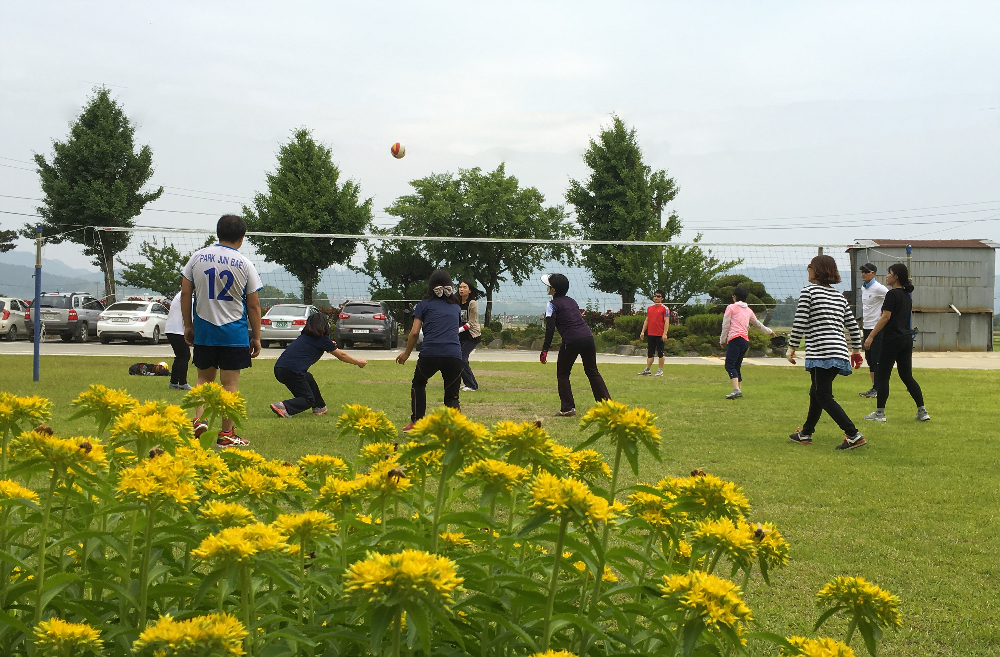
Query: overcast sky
{"points": [[763, 112]]}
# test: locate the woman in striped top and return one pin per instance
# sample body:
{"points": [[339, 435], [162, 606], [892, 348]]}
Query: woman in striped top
{"points": [[821, 316]]}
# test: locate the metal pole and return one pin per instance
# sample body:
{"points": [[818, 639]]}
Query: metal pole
{"points": [[820, 250], [37, 315]]}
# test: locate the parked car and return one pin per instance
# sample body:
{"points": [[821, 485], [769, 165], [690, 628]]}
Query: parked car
{"points": [[12, 324], [71, 315], [131, 321], [366, 321], [283, 323]]}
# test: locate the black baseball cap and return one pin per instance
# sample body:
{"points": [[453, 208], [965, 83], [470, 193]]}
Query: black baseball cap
{"points": [[868, 267]]}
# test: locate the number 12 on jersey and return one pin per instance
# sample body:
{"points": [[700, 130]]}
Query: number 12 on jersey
{"points": [[227, 282]]}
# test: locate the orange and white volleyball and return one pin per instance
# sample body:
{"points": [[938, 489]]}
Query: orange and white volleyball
{"points": [[398, 150]]}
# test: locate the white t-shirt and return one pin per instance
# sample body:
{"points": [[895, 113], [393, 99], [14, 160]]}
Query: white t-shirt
{"points": [[872, 296], [222, 279], [175, 320]]}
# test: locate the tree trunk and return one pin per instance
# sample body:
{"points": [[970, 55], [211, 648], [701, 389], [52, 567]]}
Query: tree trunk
{"points": [[489, 306], [628, 298], [307, 292], [109, 278]]}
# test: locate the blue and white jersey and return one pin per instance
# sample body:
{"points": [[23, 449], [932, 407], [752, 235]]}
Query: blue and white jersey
{"points": [[222, 280]]}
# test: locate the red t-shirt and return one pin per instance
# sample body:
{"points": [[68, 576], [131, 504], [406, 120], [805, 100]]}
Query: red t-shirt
{"points": [[656, 319]]}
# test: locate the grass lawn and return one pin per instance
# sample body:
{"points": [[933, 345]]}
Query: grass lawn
{"points": [[915, 511]]}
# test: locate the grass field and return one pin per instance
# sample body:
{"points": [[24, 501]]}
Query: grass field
{"points": [[915, 511]]}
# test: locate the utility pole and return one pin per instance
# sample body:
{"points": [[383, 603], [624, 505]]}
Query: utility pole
{"points": [[37, 315]]}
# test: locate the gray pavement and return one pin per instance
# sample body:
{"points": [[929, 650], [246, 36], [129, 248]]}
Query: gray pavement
{"points": [[149, 353]]}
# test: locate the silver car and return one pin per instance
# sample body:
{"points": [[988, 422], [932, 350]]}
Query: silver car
{"points": [[12, 324], [283, 323], [71, 315], [366, 321]]}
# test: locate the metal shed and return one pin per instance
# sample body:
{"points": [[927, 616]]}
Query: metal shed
{"points": [[953, 288]]}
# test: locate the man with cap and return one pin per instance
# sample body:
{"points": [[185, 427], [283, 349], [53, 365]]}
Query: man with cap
{"points": [[872, 295]]}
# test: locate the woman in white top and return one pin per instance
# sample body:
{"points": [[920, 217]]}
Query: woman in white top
{"points": [[182, 353]]}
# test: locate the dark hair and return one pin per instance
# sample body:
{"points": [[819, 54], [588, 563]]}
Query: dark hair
{"points": [[902, 274], [439, 277], [825, 270], [559, 283], [473, 292], [660, 292], [741, 293], [230, 228], [317, 325]]}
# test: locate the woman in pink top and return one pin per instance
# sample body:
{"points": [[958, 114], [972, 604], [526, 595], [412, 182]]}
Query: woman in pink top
{"points": [[736, 333]]}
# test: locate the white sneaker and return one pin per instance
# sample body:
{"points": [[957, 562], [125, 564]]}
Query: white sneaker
{"points": [[466, 388], [659, 372], [876, 416], [645, 372]]}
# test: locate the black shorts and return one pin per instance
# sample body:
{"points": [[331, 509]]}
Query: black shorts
{"points": [[654, 343], [207, 357]]}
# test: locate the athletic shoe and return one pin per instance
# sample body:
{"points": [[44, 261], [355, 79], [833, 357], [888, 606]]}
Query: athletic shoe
{"points": [[319, 410], [570, 413], [852, 443], [230, 439], [645, 372], [735, 394], [800, 438], [279, 409], [922, 415], [876, 416], [200, 427], [179, 386], [466, 388], [870, 394], [407, 428], [659, 372]]}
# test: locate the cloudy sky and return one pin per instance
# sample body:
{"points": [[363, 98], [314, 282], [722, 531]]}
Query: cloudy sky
{"points": [[786, 122]]}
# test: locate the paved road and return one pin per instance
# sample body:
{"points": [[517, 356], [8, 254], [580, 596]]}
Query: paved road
{"points": [[147, 353]]}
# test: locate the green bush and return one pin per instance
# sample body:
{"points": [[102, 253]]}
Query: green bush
{"points": [[692, 309], [704, 324], [678, 332], [507, 335], [759, 340], [691, 343], [616, 337], [706, 349], [496, 326], [486, 334], [630, 324], [673, 347]]}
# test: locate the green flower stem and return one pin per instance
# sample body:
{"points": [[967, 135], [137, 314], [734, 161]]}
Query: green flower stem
{"points": [[596, 597], [441, 495], [144, 566], [246, 582], [397, 626], [491, 541], [553, 585], [4, 576], [42, 538], [304, 574], [382, 516], [343, 537], [715, 561], [127, 573], [746, 579], [423, 490], [853, 625], [3, 452], [642, 581]]}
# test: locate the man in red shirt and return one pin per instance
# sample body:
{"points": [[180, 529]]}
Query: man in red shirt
{"points": [[656, 325]]}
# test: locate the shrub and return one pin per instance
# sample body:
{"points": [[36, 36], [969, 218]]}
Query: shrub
{"points": [[526, 342], [706, 349], [704, 324], [759, 340], [722, 293], [507, 335], [496, 326], [630, 324], [677, 332], [616, 337], [673, 347], [599, 321], [691, 343], [486, 334], [692, 309]]}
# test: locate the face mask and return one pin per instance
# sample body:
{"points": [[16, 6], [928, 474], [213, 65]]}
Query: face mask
{"points": [[443, 290]]}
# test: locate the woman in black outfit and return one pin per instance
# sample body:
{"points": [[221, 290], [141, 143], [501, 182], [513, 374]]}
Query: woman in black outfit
{"points": [[563, 314], [897, 343]]}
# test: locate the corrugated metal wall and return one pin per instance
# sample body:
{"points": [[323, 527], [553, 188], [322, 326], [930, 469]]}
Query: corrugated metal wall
{"points": [[941, 277]]}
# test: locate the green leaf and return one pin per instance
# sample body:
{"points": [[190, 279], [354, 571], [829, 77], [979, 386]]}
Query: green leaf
{"points": [[692, 630], [533, 523], [632, 455], [54, 584], [415, 613], [589, 441], [865, 628], [825, 616], [381, 618]]}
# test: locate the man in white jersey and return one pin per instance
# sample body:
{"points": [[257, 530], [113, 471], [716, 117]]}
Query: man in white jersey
{"points": [[872, 296], [224, 285]]}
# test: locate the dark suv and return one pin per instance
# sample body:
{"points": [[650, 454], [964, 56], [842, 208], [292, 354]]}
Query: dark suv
{"points": [[71, 315], [366, 321]]}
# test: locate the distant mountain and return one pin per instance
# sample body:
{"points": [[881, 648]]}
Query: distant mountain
{"points": [[49, 266], [19, 281]]}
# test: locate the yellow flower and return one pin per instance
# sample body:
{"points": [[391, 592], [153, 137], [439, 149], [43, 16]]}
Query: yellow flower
{"points": [[57, 637], [608, 576], [377, 452], [717, 601], [241, 457], [386, 478], [525, 442], [11, 490], [771, 545], [366, 519], [254, 483], [588, 462], [560, 496], [429, 460], [78, 454], [862, 598], [554, 653], [454, 540], [241, 543], [289, 474], [656, 511], [446, 428], [324, 465], [499, 474], [305, 525], [558, 455], [368, 425], [212, 634], [337, 493], [218, 402], [104, 404], [147, 427], [15, 410], [410, 573], [715, 497], [163, 478], [735, 539], [817, 648], [623, 424], [226, 514]]}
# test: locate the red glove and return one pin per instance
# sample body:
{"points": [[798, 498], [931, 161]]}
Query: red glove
{"points": [[856, 360], [543, 357]]}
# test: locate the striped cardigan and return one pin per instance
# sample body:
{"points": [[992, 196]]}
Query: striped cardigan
{"points": [[822, 315]]}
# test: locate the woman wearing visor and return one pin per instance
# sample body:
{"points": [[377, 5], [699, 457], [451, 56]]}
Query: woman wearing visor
{"points": [[563, 314], [439, 314]]}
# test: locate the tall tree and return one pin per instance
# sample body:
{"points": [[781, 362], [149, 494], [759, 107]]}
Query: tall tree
{"points": [[622, 200], [396, 269], [305, 196], [7, 239], [477, 204], [95, 179], [683, 272]]}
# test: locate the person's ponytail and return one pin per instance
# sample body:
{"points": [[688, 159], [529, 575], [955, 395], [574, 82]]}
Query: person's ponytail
{"points": [[903, 276]]}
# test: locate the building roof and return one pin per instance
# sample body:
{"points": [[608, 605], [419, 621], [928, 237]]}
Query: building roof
{"points": [[934, 244]]}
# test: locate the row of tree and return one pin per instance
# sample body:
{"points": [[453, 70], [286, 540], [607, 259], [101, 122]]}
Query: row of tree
{"points": [[98, 177]]}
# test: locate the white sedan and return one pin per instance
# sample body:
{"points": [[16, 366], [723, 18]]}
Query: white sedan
{"points": [[131, 321]]}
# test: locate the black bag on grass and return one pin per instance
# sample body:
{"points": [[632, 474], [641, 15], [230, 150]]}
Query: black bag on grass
{"points": [[149, 369]]}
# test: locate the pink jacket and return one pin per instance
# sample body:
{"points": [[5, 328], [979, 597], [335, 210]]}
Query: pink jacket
{"points": [[736, 322]]}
